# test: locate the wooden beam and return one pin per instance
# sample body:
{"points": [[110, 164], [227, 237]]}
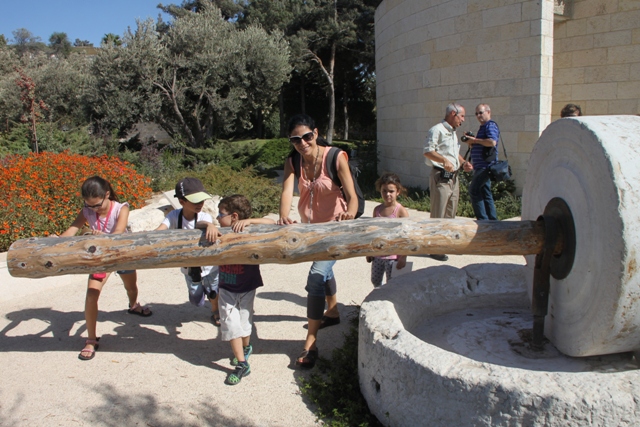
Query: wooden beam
{"points": [[42, 257]]}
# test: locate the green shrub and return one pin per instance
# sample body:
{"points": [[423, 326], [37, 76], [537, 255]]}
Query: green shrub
{"points": [[336, 391], [272, 154]]}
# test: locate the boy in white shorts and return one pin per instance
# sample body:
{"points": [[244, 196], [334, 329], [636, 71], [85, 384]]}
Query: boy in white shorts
{"points": [[201, 281], [237, 288]]}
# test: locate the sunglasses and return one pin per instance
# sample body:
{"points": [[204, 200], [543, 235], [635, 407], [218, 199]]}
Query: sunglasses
{"points": [[479, 113], [221, 215], [298, 139], [95, 206]]}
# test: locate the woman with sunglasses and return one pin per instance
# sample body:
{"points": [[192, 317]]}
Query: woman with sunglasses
{"points": [[321, 200], [105, 215]]}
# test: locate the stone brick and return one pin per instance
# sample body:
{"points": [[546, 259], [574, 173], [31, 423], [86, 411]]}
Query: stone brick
{"points": [[628, 90], [499, 50], [455, 57], [594, 91], [589, 57], [449, 42], [616, 38], [625, 20], [599, 24], [516, 30], [567, 76], [562, 92], [575, 43], [451, 8], [562, 59], [470, 22], [509, 69], [627, 106], [508, 14], [606, 73], [590, 8], [594, 107], [576, 28], [628, 5], [624, 54]]}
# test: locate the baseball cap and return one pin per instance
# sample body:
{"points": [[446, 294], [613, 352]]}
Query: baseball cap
{"points": [[191, 189]]}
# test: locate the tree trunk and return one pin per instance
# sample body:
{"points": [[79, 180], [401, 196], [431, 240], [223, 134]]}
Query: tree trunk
{"points": [[303, 106], [42, 257], [345, 110], [332, 95]]}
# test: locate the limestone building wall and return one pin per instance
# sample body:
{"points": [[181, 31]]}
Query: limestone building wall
{"points": [[597, 58], [432, 52]]}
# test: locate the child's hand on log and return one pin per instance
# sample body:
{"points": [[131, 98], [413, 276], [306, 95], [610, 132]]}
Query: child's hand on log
{"points": [[286, 221], [212, 233], [239, 225]]}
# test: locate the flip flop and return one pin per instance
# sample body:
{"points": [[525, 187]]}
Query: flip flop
{"points": [[142, 311], [95, 345]]}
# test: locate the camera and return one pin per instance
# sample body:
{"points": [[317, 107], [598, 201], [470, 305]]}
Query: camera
{"points": [[195, 273], [465, 137]]}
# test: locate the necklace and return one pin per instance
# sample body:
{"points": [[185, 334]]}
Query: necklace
{"points": [[312, 184]]}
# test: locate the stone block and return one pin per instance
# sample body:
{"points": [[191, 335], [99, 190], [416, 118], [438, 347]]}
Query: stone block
{"points": [[576, 27], [594, 56], [595, 107], [470, 22], [562, 59], [494, 17], [624, 106], [516, 30], [509, 68], [448, 42], [575, 43], [589, 8], [624, 54], [628, 5], [594, 91], [615, 38], [569, 76], [628, 90], [451, 9], [503, 49], [599, 24], [607, 73], [625, 20]]}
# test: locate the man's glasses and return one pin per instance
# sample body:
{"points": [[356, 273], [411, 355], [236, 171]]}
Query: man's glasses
{"points": [[298, 139], [479, 113], [95, 206]]}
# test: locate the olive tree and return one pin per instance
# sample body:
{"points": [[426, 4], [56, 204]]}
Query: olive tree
{"points": [[199, 78]]}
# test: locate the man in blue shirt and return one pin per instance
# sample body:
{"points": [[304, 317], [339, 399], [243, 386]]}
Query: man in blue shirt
{"points": [[484, 151]]}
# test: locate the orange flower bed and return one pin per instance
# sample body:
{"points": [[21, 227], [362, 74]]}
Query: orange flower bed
{"points": [[40, 193]]}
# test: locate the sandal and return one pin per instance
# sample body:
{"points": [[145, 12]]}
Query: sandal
{"points": [[144, 311], [240, 371], [215, 318], [92, 351], [308, 358], [327, 321]]}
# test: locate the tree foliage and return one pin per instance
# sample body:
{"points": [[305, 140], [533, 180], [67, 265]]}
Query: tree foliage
{"points": [[25, 42], [59, 44], [202, 78]]}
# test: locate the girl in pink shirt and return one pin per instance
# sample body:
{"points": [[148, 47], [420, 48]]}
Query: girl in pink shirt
{"points": [[105, 215]]}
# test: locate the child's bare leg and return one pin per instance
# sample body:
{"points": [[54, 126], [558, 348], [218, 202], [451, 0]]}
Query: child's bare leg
{"points": [[238, 350], [214, 303], [94, 288], [130, 281]]}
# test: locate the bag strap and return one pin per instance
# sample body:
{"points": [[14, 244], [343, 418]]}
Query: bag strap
{"points": [[180, 220], [332, 161], [504, 150]]}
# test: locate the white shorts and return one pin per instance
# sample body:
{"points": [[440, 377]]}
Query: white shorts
{"points": [[236, 313]]}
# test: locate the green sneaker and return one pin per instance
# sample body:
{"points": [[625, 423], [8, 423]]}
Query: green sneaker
{"points": [[241, 371], [247, 352]]}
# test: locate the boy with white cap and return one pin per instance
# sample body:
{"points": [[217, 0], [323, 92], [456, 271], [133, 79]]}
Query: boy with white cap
{"points": [[201, 281]]}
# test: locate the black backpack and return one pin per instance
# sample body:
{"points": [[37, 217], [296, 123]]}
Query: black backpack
{"points": [[332, 160]]}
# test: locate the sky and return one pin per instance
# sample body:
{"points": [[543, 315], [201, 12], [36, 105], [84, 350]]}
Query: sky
{"points": [[80, 19]]}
